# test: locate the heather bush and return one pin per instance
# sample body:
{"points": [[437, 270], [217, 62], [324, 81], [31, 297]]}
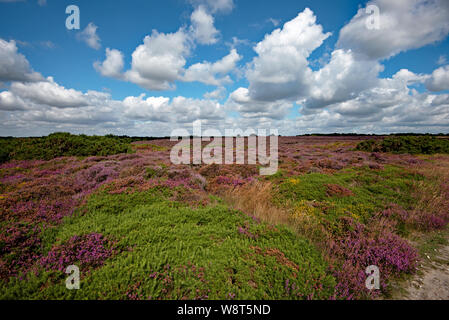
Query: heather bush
{"points": [[361, 247], [406, 144], [19, 248], [62, 144], [87, 252], [166, 250]]}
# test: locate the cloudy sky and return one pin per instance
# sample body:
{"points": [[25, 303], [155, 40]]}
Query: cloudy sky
{"points": [[147, 67]]}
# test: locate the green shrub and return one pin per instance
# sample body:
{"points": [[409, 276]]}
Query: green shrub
{"points": [[61, 145], [406, 144], [167, 250]]}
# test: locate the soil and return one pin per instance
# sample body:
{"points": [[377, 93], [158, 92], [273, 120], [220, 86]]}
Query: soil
{"points": [[431, 282]]}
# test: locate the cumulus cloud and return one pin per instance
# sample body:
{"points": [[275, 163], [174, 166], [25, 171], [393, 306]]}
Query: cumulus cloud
{"points": [[206, 72], [439, 80], [178, 110], [10, 102], [241, 101], [49, 93], [348, 85], [90, 37], [13, 65], [342, 78], [404, 25], [112, 66], [344, 94], [159, 61], [280, 69], [410, 77], [203, 28], [150, 109]]}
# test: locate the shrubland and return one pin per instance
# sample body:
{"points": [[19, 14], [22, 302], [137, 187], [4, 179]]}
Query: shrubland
{"points": [[141, 228], [407, 144]]}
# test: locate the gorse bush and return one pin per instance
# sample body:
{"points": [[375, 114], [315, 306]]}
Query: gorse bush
{"points": [[406, 144], [61, 145]]}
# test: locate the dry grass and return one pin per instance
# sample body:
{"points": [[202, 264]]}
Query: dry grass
{"points": [[437, 173], [255, 200], [432, 194]]}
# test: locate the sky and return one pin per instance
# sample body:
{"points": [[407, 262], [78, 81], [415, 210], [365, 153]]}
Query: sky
{"points": [[146, 68]]}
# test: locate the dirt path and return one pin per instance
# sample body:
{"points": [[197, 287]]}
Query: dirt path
{"points": [[432, 282]]}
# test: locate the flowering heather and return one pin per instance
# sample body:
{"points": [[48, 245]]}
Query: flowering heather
{"points": [[419, 219], [97, 175], [19, 248], [322, 181], [245, 231], [359, 248], [87, 251], [229, 181]]}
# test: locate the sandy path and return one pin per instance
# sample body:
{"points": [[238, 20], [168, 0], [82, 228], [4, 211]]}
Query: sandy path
{"points": [[432, 283]]}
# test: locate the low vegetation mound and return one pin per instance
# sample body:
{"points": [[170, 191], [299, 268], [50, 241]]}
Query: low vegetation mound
{"points": [[406, 144], [60, 145]]}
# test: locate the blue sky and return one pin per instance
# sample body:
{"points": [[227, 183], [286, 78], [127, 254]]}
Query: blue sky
{"points": [[339, 80]]}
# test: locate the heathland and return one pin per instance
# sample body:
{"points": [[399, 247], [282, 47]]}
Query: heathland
{"points": [[140, 227]]}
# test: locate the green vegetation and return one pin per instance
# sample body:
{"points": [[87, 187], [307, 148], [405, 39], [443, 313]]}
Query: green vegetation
{"points": [[406, 144], [139, 228], [167, 250], [354, 192], [62, 144]]}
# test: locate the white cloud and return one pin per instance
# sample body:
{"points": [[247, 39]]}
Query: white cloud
{"points": [[241, 101], [404, 25], [203, 28], [13, 65], [280, 69], [344, 95], [112, 66], [342, 78], [214, 6], [10, 102], [150, 109], [442, 60], [90, 37], [49, 93], [206, 72], [409, 77], [275, 22], [216, 94], [159, 61], [439, 80], [178, 110]]}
